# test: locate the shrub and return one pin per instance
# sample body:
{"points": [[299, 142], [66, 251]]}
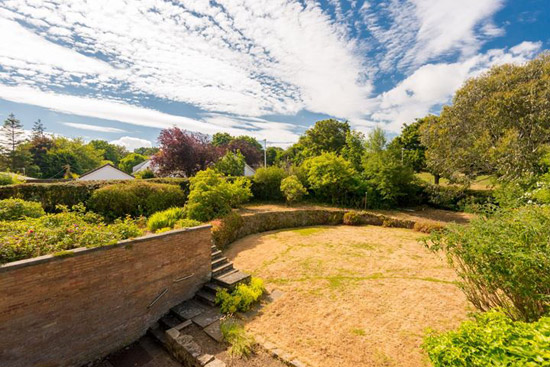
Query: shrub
{"points": [[491, 339], [242, 298], [332, 178], [166, 218], [16, 209], [352, 218], [186, 223], [53, 233], [234, 333], [7, 179], [135, 198], [212, 195], [267, 183], [503, 260], [225, 230], [231, 164], [456, 197], [145, 174], [292, 189], [427, 227]]}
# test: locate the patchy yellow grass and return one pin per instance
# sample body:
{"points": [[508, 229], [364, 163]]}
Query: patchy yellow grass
{"points": [[353, 296]]}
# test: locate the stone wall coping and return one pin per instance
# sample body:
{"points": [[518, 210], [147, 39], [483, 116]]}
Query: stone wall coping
{"points": [[85, 250]]}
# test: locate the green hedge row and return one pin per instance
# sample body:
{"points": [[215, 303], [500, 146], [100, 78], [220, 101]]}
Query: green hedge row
{"points": [[71, 193], [455, 197]]}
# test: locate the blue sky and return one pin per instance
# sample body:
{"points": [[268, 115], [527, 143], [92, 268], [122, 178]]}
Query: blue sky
{"points": [[123, 70]]}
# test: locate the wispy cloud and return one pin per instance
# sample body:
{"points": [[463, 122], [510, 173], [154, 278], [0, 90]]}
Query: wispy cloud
{"points": [[132, 143], [103, 129]]}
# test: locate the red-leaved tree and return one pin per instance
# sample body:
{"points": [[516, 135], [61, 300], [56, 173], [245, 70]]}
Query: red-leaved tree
{"points": [[184, 153], [252, 153]]}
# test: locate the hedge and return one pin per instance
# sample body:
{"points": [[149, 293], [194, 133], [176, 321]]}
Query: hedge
{"points": [[455, 197], [73, 192], [234, 226]]}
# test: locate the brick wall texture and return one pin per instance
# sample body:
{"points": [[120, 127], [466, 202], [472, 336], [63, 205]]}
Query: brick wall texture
{"points": [[67, 311]]}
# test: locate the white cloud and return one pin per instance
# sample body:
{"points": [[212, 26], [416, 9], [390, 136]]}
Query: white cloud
{"points": [[131, 143], [104, 129]]}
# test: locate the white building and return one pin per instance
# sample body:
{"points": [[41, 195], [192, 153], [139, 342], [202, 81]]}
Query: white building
{"points": [[145, 165], [105, 172], [248, 171]]}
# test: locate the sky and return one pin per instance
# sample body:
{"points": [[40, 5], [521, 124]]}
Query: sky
{"points": [[123, 70]]}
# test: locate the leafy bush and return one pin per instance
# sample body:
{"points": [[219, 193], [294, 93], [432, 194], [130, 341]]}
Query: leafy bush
{"points": [[231, 164], [292, 189], [456, 197], [145, 174], [164, 219], [267, 183], [352, 218], [135, 198], [7, 179], [503, 260], [212, 195], [16, 209], [63, 231], [492, 339], [427, 227], [242, 298], [226, 229], [332, 178], [186, 223], [235, 334]]}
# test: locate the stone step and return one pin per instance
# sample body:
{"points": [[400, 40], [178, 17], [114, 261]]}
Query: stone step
{"points": [[216, 254], [212, 287], [169, 321], [213, 247], [206, 297], [157, 333], [222, 269], [231, 279], [219, 262]]}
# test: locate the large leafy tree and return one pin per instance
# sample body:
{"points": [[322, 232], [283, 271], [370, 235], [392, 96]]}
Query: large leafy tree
{"points": [[111, 152], [499, 123], [325, 136], [130, 161], [354, 150], [274, 155], [183, 153], [249, 148], [409, 145]]}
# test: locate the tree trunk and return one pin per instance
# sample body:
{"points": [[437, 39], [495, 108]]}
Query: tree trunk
{"points": [[436, 178]]}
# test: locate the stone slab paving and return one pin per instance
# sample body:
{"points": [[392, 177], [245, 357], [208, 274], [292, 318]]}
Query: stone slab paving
{"points": [[207, 317], [213, 330], [189, 309]]}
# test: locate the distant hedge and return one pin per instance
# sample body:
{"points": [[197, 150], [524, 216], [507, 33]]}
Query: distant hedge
{"points": [[71, 193], [455, 197]]}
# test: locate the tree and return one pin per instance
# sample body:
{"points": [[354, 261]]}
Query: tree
{"points": [[183, 153], [409, 145], [325, 136], [274, 155], [250, 149], [111, 152], [376, 141], [148, 152], [130, 161], [38, 129], [221, 139], [12, 136], [499, 124], [354, 150], [231, 164]]}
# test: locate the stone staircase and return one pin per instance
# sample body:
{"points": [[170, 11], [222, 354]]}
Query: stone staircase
{"points": [[200, 311]]}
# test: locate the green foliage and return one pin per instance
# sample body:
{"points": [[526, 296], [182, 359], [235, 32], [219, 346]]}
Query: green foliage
{"points": [[135, 198], [165, 218], [376, 141], [145, 174], [274, 155], [498, 124], [63, 231], [242, 298], [292, 189], [221, 139], [325, 136], [354, 150], [226, 229], [17, 209], [130, 161], [267, 183], [231, 164], [111, 152], [331, 177], [455, 197], [409, 144], [491, 339], [212, 195], [234, 333], [503, 260], [186, 223], [352, 218], [391, 180], [7, 179]]}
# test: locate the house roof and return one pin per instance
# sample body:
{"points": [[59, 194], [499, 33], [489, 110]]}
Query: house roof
{"points": [[101, 167], [139, 165]]}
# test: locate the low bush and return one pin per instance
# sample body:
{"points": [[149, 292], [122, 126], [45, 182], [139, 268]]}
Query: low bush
{"points": [[352, 218], [266, 183], [53, 233], [242, 298], [145, 174], [7, 179], [292, 189], [186, 223], [427, 227], [491, 339], [456, 197], [16, 209], [165, 219], [213, 195], [231, 164], [135, 198], [503, 260], [225, 230], [234, 333]]}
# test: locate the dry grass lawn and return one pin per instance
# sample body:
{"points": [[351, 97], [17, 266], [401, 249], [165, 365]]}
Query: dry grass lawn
{"points": [[353, 296]]}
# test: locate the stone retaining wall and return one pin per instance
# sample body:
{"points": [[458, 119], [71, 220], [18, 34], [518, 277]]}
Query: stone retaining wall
{"points": [[67, 311]]}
